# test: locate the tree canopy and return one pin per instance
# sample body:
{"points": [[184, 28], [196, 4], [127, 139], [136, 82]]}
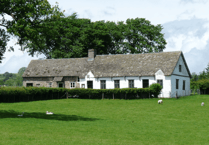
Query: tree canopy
{"points": [[28, 22], [78, 35], [42, 29]]}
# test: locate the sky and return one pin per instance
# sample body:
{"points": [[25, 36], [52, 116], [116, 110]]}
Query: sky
{"points": [[185, 26]]}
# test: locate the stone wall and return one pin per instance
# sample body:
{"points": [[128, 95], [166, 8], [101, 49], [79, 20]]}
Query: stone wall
{"points": [[44, 81]]}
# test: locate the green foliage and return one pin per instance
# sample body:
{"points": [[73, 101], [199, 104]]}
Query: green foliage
{"points": [[11, 79], [194, 77], [1, 82], [10, 82], [79, 35], [156, 89], [8, 75], [29, 21], [203, 84], [9, 94], [21, 71]]}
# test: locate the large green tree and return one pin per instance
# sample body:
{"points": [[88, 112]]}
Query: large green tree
{"points": [[78, 35], [143, 37], [29, 23]]}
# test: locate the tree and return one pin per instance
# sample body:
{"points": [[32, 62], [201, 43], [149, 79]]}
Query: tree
{"points": [[143, 37], [78, 35], [7, 75], [194, 77], [29, 23], [19, 79], [21, 71], [10, 82], [202, 75], [1, 82]]}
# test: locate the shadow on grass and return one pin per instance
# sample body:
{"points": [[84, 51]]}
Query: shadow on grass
{"points": [[38, 115]]}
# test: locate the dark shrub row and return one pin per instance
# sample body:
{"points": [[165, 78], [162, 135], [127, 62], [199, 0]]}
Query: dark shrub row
{"points": [[19, 94]]}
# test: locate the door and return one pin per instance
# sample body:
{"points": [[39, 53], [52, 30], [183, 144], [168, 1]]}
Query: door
{"points": [[90, 84]]}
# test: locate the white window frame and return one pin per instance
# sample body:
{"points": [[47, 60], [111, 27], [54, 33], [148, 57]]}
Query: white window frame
{"points": [[50, 84], [71, 84], [158, 81]]}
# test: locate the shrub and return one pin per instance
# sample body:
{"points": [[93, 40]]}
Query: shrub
{"points": [[156, 89]]}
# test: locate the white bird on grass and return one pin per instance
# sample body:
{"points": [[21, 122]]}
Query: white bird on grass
{"points": [[21, 114], [202, 104], [160, 101], [49, 113]]}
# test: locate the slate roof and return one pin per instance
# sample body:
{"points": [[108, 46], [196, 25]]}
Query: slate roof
{"points": [[106, 65]]}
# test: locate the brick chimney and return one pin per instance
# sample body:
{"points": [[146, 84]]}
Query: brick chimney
{"points": [[91, 54]]}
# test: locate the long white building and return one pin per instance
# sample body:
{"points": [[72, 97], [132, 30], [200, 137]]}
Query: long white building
{"points": [[113, 71]]}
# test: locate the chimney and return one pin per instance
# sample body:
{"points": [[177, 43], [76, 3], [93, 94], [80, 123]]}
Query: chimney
{"points": [[91, 54]]}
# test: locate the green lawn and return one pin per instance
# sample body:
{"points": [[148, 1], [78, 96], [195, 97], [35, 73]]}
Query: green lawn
{"points": [[129, 122]]}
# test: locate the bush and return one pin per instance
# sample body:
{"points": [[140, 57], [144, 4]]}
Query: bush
{"points": [[156, 89]]}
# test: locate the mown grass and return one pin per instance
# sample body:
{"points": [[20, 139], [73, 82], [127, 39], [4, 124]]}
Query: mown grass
{"points": [[79, 121]]}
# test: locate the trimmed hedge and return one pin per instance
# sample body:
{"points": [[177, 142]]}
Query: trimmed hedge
{"points": [[18, 94]]}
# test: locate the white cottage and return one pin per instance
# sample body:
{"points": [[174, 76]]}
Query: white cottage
{"points": [[169, 69]]}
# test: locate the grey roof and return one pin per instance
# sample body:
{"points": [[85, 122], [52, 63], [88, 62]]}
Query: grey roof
{"points": [[57, 79], [107, 65]]}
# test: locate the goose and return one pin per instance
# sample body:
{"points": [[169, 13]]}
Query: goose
{"points": [[21, 114], [202, 104], [49, 113]]}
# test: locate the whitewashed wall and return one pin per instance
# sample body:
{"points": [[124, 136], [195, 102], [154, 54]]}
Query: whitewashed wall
{"points": [[183, 75], [169, 83], [180, 90], [138, 82], [165, 93], [184, 71]]}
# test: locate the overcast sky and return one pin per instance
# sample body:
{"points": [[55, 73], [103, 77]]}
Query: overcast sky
{"points": [[185, 23]]}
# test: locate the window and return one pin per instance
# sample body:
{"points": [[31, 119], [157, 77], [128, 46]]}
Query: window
{"points": [[90, 84], [78, 79], [72, 84], [29, 84], [177, 83], [131, 83], [60, 85], [160, 82], [145, 83], [179, 68], [37, 85], [83, 85], [103, 84], [184, 82], [50, 85], [117, 83]]}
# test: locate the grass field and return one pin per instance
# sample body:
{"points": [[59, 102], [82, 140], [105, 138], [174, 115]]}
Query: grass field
{"points": [[127, 122]]}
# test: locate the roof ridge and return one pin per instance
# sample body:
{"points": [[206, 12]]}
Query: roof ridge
{"points": [[138, 53]]}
